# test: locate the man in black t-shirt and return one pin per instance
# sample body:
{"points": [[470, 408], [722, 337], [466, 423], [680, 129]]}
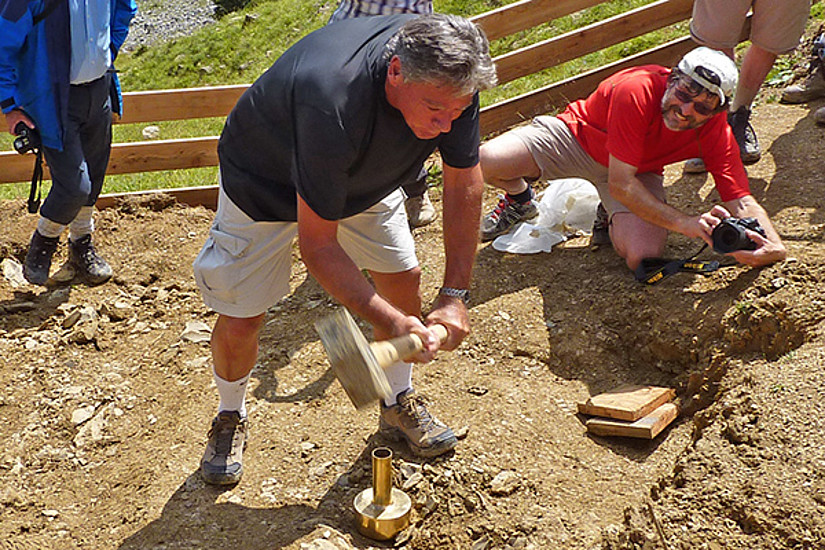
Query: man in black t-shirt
{"points": [[319, 146]]}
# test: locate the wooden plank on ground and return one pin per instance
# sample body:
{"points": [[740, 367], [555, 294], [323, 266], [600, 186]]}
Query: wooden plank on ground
{"points": [[627, 403], [647, 427]]}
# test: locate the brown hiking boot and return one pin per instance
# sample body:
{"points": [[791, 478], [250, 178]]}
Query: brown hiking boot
{"points": [[409, 420], [221, 462], [420, 210], [813, 87]]}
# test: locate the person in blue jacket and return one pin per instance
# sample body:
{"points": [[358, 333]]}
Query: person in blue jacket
{"points": [[57, 77]]}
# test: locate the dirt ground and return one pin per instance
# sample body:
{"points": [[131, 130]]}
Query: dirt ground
{"points": [[106, 395]]}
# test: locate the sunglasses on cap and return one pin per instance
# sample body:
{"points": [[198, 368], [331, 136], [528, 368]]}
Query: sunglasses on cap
{"points": [[686, 89]]}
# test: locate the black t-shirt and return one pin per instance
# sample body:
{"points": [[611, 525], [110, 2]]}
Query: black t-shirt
{"points": [[318, 122]]}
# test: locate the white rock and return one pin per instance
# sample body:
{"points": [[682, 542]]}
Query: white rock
{"points": [[505, 483], [151, 132], [196, 331], [81, 415], [13, 272]]}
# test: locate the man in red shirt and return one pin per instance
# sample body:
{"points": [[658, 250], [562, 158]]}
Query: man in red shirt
{"points": [[620, 138]]}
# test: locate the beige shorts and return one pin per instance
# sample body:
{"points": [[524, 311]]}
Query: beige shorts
{"points": [[558, 154], [243, 268], [776, 25]]}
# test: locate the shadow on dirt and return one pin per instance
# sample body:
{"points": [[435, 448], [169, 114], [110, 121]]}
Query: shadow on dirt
{"points": [[17, 313], [193, 517], [797, 153]]}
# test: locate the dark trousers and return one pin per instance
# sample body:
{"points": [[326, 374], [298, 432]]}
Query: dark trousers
{"points": [[78, 170], [418, 187]]}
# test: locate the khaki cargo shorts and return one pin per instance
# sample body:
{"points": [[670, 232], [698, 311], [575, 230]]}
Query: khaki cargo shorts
{"points": [[243, 268], [558, 154], [776, 25]]}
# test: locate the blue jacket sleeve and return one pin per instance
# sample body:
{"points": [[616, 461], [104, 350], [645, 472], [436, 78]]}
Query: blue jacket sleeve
{"points": [[15, 24], [122, 13]]}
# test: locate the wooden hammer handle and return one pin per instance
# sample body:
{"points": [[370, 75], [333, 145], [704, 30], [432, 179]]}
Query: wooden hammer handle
{"points": [[396, 349]]}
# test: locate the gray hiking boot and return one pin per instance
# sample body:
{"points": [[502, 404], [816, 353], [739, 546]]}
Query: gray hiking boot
{"points": [[739, 122], [813, 87], [420, 210], [89, 266], [39, 258], [601, 227], [221, 463], [410, 421], [819, 116], [506, 215], [694, 166]]}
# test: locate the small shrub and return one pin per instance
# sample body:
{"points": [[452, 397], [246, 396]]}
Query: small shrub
{"points": [[223, 7]]}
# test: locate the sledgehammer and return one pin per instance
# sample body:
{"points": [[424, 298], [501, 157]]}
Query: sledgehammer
{"points": [[358, 365]]}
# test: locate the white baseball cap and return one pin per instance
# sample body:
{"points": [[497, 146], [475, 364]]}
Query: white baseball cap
{"points": [[714, 70]]}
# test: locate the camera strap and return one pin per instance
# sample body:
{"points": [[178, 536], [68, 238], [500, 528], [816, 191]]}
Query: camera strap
{"points": [[37, 182], [653, 270]]}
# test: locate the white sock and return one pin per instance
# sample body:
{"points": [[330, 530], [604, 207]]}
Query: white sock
{"points": [[48, 228], [399, 376], [233, 394], [82, 224]]}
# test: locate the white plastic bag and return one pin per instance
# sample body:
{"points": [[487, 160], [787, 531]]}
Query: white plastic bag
{"points": [[566, 207]]}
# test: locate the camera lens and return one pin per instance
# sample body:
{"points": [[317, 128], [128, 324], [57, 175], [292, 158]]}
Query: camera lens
{"points": [[728, 238]]}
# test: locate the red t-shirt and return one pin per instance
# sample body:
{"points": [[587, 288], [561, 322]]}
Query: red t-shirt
{"points": [[623, 118]]}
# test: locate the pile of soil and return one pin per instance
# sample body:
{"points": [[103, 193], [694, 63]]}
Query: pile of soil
{"points": [[106, 394]]}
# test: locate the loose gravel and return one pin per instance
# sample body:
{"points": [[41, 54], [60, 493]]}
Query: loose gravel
{"points": [[161, 20]]}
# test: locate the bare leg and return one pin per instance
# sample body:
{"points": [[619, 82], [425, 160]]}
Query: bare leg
{"points": [[505, 162], [635, 239], [401, 290], [755, 67], [235, 346]]}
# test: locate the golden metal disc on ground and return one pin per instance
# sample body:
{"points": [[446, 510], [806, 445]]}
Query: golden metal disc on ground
{"points": [[382, 511]]}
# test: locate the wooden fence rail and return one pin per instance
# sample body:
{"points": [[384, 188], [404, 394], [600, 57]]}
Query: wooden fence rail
{"points": [[195, 103]]}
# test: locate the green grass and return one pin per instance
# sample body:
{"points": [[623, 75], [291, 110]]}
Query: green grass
{"points": [[242, 45]]}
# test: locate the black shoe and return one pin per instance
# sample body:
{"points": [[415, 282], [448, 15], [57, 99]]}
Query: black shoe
{"points": [[739, 122], [222, 461], [601, 227], [88, 265], [39, 258]]}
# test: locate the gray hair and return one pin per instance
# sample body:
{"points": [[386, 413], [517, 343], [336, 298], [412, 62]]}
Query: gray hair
{"points": [[444, 50]]}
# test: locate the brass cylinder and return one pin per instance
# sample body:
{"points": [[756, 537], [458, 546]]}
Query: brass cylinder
{"points": [[382, 511], [382, 476]]}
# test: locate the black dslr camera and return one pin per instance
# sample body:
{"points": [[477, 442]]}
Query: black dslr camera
{"points": [[729, 235], [28, 139]]}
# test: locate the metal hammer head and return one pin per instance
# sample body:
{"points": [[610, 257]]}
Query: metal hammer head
{"points": [[352, 360]]}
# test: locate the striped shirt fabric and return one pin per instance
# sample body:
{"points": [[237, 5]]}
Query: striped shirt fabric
{"points": [[357, 8]]}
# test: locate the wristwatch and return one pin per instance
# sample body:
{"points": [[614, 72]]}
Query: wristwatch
{"points": [[461, 293]]}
